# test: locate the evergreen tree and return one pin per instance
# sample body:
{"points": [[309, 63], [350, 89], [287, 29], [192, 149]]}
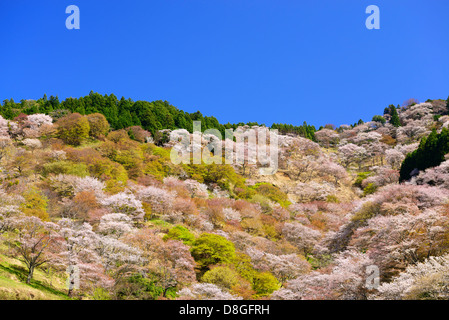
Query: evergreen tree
{"points": [[395, 121], [152, 116], [7, 110], [430, 153]]}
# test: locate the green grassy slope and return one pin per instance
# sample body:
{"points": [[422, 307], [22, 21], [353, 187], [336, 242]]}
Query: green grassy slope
{"points": [[42, 287]]}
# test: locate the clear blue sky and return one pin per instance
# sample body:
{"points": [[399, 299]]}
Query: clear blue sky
{"points": [[239, 60]]}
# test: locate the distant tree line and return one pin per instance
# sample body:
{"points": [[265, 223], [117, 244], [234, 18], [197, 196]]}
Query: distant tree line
{"points": [[306, 131], [125, 113]]}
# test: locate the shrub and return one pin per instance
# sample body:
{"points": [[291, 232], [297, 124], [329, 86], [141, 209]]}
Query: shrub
{"points": [[273, 193], [65, 167], [369, 189], [332, 199], [367, 211], [360, 177]]}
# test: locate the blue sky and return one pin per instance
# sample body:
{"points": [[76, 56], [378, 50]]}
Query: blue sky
{"points": [[238, 60]]}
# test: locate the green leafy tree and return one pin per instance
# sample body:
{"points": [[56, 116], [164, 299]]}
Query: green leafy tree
{"points": [[265, 283], [98, 125], [430, 153], [136, 286], [210, 249], [222, 276], [35, 204], [379, 119], [73, 129], [273, 193], [180, 233]]}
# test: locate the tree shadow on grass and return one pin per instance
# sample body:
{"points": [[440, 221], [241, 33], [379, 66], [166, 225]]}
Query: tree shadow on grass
{"points": [[21, 273]]}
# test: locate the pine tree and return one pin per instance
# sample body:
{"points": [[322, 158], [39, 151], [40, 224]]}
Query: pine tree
{"points": [[430, 153], [394, 117]]}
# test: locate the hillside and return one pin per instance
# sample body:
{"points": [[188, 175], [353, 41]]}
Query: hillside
{"points": [[125, 113], [89, 192]]}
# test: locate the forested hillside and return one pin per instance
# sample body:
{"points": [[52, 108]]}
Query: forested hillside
{"points": [[125, 113], [88, 192]]}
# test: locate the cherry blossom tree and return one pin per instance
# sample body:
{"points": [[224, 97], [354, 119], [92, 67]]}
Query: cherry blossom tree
{"points": [[32, 143], [91, 184], [413, 131], [39, 119], [231, 215], [173, 265], [407, 148], [304, 238], [283, 267], [351, 153], [394, 158], [75, 251], [396, 241], [196, 189], [116, 254], [438, 176], [426, 280], [126, 203], [115, 225], [327, 137], [9, 209], [57, 155], [313, 191], [305, 168], [383, 176], [334, 171], [416, 112], [346, 281], [4, 128], [32, 241], [423, 197], [169, 262], [205, 291], [366, 137], [161, 200]]}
